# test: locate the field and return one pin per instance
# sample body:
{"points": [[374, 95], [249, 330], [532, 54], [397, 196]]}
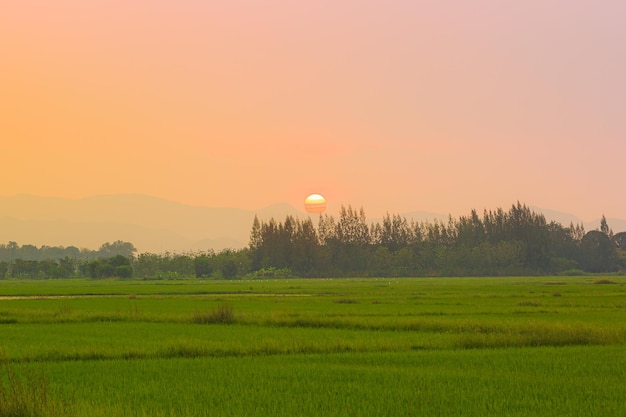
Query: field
{"points": [[519, 346]]}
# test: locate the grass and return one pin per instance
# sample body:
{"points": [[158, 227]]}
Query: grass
{"points": [[222, 314], [27, 394], [341, 347], [542, 381], [604, 281]]}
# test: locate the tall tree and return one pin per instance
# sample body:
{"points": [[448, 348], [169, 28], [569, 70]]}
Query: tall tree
{"points": [[604, 227], [598, 253], [256, 242]]}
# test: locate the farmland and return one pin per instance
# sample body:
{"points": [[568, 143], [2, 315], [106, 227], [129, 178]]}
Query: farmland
{"points": [[518, 346]]}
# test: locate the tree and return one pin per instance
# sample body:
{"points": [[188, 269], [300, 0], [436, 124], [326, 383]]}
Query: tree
{"points": [[4, 268], [394, 233], [203, 267], [305, 247], [326, 229], [117, 266], [604, 227], [598, 253], [118, 247], [256, 242], [352, 241], [12, 248], [620, 240], [563, 248], [67, 267], [147, 265], [352, 227]]}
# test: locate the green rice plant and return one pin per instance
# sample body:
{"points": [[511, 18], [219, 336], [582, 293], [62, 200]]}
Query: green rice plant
{"points": [[604, 282], [534, 335], [537, 381], [346, 301], [298, 347], [529, 304], [222, 314], [27, 394]]}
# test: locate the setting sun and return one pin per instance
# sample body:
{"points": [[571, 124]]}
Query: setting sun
{"points": [[315, 203]]}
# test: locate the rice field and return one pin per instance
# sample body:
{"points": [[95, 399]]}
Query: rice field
{"points": [[519, 346]]}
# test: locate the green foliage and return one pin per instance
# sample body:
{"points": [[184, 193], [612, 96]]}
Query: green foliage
{"points": [[562, 265], [117, 266], [620, 240], [271, 272], [228, 268], [516, 242], [500, 243], [598, 253], [13, 251], [168, 265], [203, 266], [28, 261], [573, 273]]}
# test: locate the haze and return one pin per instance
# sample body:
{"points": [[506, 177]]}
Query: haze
{"points": [[394, 106]]}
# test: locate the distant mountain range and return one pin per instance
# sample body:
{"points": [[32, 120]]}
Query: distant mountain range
{"points": [[158, 225]]}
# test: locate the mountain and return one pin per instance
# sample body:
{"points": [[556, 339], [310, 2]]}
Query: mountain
{"points": [[151, 224]]}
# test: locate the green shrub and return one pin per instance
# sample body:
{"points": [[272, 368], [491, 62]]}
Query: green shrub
{"points": [[272, 272], [573, 273]]}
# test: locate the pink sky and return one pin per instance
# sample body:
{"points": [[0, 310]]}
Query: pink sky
{"points": [[441, 106]]}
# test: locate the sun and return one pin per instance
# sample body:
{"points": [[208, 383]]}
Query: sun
{"points": [[315, 203]]}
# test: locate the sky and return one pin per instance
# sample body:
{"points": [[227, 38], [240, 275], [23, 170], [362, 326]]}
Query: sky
{"points": [[442, 106]]}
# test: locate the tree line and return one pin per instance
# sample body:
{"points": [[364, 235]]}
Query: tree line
{"points": [[12, 251], [496, 243], [29, 261], [514, 242]]}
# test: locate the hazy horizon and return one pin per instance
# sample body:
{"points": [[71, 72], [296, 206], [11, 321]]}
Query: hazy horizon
{"points": [[159, 225], [332, 209], [394, 107]]}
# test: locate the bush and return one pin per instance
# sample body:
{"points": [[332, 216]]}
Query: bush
{"points": [[123, 271], [573, 273], [271, 272]]}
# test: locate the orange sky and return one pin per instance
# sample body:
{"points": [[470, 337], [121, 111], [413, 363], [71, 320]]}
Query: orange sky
{"points": [[397, 106]]}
